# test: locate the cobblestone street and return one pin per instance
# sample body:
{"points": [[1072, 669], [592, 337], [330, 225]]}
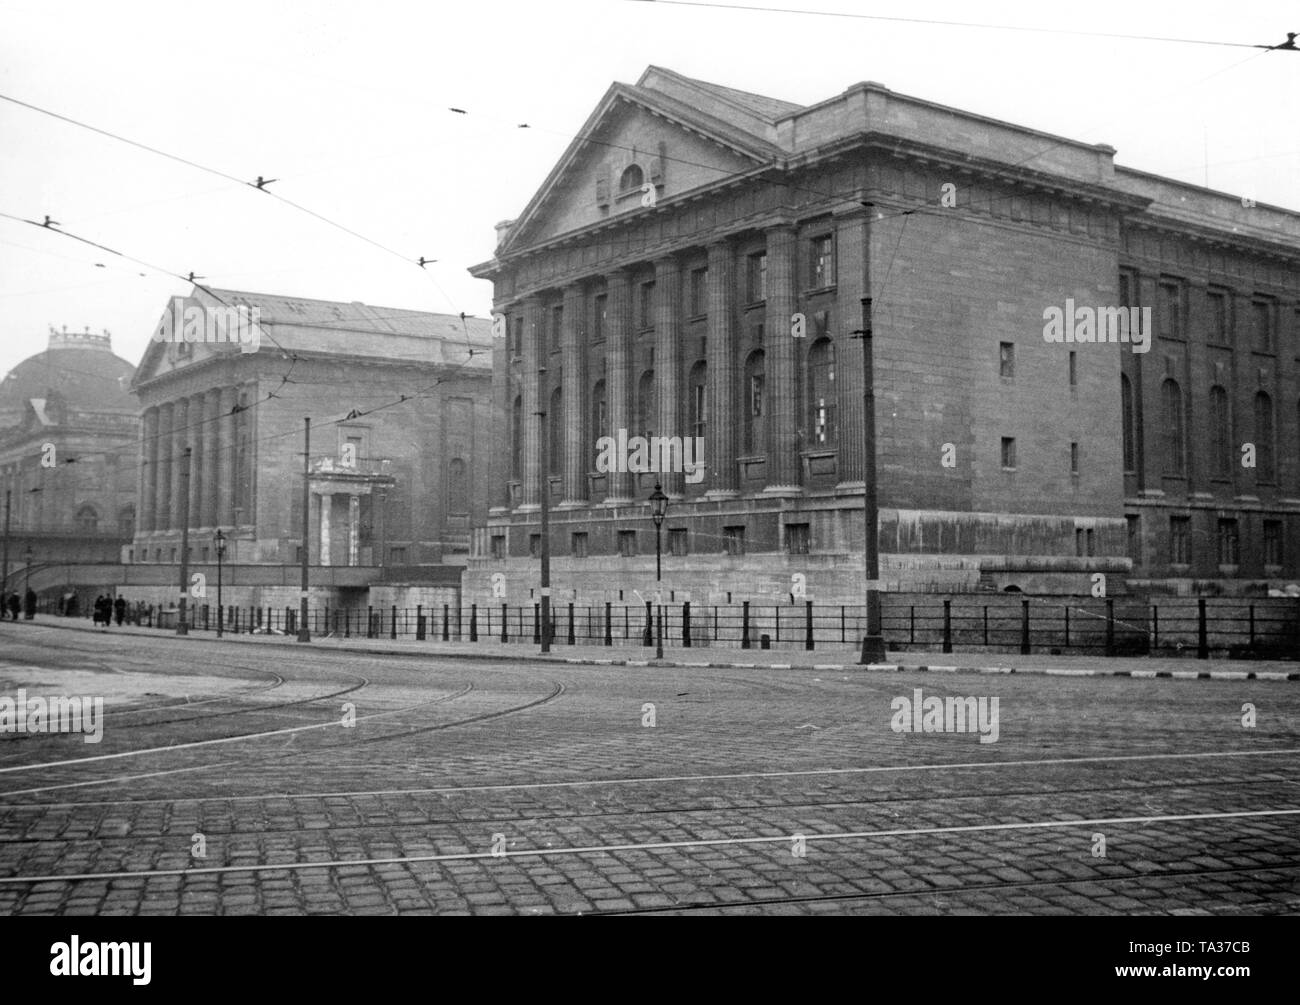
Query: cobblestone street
{"points": [[256, 776]]}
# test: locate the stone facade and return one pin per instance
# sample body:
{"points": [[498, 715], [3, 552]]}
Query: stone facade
{"points": [[695, 267]]}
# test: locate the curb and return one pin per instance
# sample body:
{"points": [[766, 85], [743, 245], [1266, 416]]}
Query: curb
{"points": [[533, 657]]}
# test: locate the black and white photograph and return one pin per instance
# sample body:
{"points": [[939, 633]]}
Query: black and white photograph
{"points": [[650, 458]]}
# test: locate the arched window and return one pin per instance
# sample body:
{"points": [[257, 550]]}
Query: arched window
{"points": [[752, 404], [457, 488], [646, 406], [555, 432], [517, 439], [631, 179], [1129, 422], [821, 392], [699, 409], [1171, 402], [1265, 470], [1220, 434], [87, 520], [126, 521]]}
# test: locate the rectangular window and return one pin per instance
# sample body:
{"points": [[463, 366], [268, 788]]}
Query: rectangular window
{"points": [[1074, 370], [1006, 359], [534, 545], [517, 337], [1273, 543], [756, 396], [1009, 452], [205, 554], [647, 306], [498, 546], [798, 538], [627, 543], [1219, 333], [756, 277], [1089, 537], [699, 292], [1180, 534], [1262, 315], [1171, 310], [1074, 458], [1078, 542], [677, 542], [698, 415], [599, 314], [1133, 527], [396, 556], [733, 540], [579, 544], [173, 555], [821, 268], [1228, 542]]}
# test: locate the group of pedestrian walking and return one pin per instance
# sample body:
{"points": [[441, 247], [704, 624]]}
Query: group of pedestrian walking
{"points": [[106, 609], [12, 605]]}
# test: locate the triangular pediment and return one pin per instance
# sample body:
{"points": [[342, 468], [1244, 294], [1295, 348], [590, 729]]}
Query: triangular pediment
{"points": [[192, 329], [637, 140]]}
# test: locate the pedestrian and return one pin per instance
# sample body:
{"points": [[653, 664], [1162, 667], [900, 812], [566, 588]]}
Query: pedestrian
{"points": [[119, 609], [14, 605], [30, 605]]}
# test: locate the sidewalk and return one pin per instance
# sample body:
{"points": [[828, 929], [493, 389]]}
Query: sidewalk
{"points": [[838, 658]]}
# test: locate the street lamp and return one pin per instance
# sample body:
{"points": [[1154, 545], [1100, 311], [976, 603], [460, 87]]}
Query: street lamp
{"points": [[658, 510], [219, 541], [28, 588]]}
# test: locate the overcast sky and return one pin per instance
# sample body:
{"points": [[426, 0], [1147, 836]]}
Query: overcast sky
{"points": [[346, 104]]}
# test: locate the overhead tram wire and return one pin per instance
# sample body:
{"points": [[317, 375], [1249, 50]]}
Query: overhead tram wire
{"points": [[966, 24], [260, 185]]}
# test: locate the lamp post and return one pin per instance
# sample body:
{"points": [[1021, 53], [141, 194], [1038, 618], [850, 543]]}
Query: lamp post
{"points": [[219, 541], [658, 510], [182, 626]]}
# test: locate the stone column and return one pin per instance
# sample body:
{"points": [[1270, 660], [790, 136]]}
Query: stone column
{"points": [[618, 376], [578, 456], [212, 447], [149, 471], [326, 503], [668, 370], [164, 448], [354, 529], [720, 458], [851, 234], [533, 387], [226, 458], [1245, 384], [199, 439], [180, 440], [781, 390], [499, 459]]}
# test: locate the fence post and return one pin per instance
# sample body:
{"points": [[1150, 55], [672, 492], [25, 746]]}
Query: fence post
{"points": [[393, 627], [911, 624], [473, 622], [843, 638], [505, 623], [609, 623], [1024, 627], [947, 626], [419, 623], [744, 624], [571, 641], [446, 624], [1202, 631], [205, 616], [648, 638], [777, 632], [986, 624], [370, 621], [1067, 624], [537, 624], [808, 625], [686, 624], [1110, 626]]}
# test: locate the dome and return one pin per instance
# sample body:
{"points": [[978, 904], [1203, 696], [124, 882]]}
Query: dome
{"points": [[80, 369]]}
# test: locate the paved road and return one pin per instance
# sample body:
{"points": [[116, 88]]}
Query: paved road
{"points": [[496, 785]]}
